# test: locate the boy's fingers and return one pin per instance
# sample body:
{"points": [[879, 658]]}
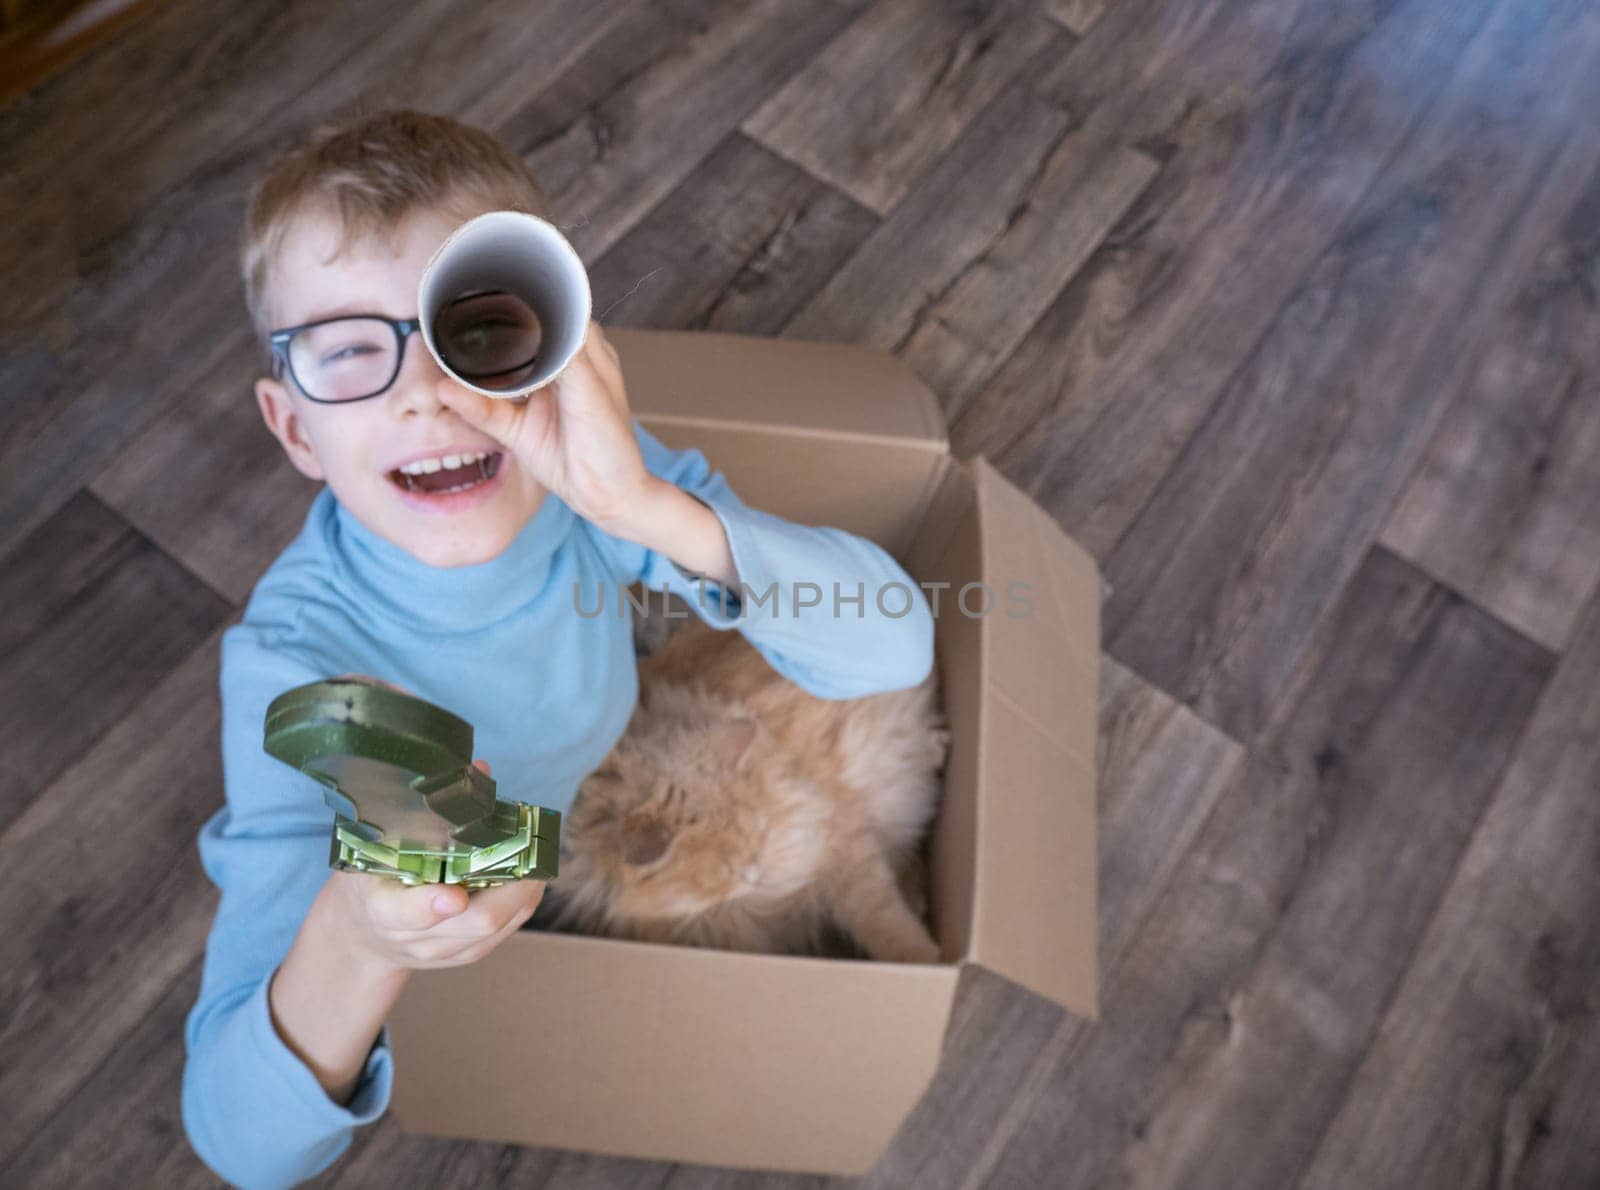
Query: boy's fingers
{"points": [[491, 909], [506, 900], [484, 765], [447, 910], [517, 921], [584, 387], [416, 908], [371, 681]]}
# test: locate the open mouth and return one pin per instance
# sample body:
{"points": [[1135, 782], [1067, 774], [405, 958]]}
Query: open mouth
{"points": [[442, 477]]}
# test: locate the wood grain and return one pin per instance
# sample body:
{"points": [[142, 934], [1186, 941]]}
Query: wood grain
{"points": [[1494, 1038], [1276, 498], [976, 251], [908, 75], [436, 1161], [209, 483], [1161, 769], [628, 120], [737, 248], [148, 263], [705, 1177], [126, 1121], [95, 615], [992, 1039], [1235, 1019], [1077, 15], [1308, 138], [1505, 505], [110, 904]]}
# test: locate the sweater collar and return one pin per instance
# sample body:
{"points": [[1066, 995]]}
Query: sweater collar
{"points": [[447, 599]]}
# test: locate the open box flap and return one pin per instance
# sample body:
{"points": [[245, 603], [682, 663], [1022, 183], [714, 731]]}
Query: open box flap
{"points": [[817, 433], [832, 390], [1034, 904]]}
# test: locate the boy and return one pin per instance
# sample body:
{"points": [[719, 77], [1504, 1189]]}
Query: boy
{"points": [[445, 555]]}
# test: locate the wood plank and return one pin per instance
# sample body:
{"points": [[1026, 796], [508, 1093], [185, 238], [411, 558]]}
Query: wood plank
{"points": [[705, 1177], [125, 1121], [1300, 133], [1503, 506], [382, 1153], [66, 137], [1560, 1150], [737, 247], [1160, 772], [633, 116], [1274, 500], [94, 365], [117, 906], [39, 39], [1161, 769], [1077, 15], [1488, 1064], [235, 104], [385, 1148], [978, 320], [1048, 374], [1249, 996], [596, 1171], [979, 247], [1173, 80], [209, 483], [95, 615], [994, 1033], [911, 75]]}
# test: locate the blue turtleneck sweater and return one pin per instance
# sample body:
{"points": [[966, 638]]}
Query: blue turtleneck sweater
{"points": [[514, 647]]}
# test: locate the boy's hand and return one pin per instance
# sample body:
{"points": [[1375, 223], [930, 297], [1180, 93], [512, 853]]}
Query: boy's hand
{"points": [[395, 926], [574, 435]]}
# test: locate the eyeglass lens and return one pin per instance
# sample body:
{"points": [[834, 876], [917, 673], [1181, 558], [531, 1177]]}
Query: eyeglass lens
{"points": [[344, 360], [491, 339]]}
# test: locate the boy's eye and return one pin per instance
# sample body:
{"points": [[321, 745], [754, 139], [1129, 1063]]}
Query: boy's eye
{"points": [[481, 333], [349, 352]]}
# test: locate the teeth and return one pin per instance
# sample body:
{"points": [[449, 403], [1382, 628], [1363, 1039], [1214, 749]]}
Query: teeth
{"points": [[447, 463]]}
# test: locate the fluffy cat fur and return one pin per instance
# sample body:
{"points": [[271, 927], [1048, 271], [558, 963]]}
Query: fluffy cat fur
{"points": [[737, 811]]}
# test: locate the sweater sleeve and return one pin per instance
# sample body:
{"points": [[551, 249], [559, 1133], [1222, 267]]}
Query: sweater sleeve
{"points": [[828, 609], [253, 1111]]}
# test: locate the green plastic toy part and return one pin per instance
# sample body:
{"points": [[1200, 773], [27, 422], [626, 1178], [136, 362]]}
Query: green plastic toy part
{"points": [[408, 802]]}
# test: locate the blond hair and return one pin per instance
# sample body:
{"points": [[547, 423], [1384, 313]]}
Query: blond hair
{"points": [[370, 172]]}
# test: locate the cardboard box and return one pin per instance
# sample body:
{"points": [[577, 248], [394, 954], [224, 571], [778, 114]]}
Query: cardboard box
{"points": [[789, 1062]]}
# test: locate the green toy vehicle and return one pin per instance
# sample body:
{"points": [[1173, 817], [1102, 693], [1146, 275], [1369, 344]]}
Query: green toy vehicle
{"points": [[408, 802]]}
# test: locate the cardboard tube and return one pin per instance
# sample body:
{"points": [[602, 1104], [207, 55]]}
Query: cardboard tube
{"points": [[526, 258]]}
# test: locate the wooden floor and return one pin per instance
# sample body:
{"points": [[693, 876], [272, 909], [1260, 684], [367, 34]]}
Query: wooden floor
{"points": [[1285, 308]]}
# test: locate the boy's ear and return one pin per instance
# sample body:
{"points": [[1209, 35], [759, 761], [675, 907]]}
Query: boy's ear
{"points": [[277, 410]]}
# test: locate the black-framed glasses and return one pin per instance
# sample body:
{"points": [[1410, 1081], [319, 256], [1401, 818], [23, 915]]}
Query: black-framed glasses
{"points": [[490, 338]]}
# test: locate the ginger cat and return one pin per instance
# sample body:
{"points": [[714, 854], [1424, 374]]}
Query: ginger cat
{"points": [[739, 812]]}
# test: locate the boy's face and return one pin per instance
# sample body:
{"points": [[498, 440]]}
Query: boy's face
{"points": [[357, 447]]}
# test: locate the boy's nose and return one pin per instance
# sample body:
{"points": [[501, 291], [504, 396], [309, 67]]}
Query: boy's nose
{"points": [[421, 378]]}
